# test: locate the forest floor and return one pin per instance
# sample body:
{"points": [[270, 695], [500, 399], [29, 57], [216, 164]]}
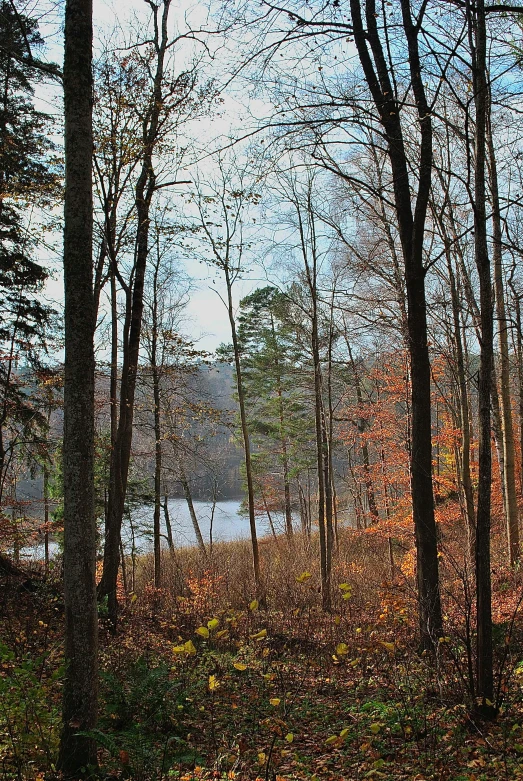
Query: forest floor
{"points": [[200, 683]]}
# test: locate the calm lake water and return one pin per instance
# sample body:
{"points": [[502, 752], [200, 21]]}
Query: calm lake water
{"points": [[228, 524]]}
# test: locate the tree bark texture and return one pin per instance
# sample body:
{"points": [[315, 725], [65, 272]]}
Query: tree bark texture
{"points": [[485, 676], [77, 752]]}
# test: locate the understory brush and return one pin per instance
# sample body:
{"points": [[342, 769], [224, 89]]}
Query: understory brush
{"points": [[200, 683]]}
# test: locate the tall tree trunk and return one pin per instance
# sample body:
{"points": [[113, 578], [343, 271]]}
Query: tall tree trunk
{"points": [[46, 518], [157, 474], [519, 354], [113, 380], [478, 41], [80, 689], [308, 246], [258, 583], [497, 426], [411, 227], [509, 455], [153, 357], [362, 425], [121, 453], [283, 440], [329, 437], [285, 461], [304, 516], [327, 487], [465, 479], [324, 571], [124, 569]]}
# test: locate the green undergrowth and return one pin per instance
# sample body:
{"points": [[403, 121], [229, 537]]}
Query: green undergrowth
{"points": [[194, 688]]}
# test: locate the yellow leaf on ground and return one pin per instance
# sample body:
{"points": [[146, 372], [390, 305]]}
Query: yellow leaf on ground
{"points": [[254, 605], [239, 666], [275, 701], [342, 649], [259, 635], [289, 737], [213, 683], [389, 646], [213, 624], [189, 648], [202, 631], [303, 577]]}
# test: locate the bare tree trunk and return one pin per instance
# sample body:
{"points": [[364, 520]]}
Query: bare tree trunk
{"points": [[324, 571], [157, 433], [307, 231], [359, 510], [133, 555], [335, 513], [192, 513], [327, 487], [213, 510], [411, 227], [485, 675], [157, 482], [285, 459], [113, 381], [475, 311], [464, 479], [322, 455], [121, 454], [303, 511], [361, 424], [283, 440], [267, 511], [168, 527], [509, 455], [80, 689], [258, 583], [46, 518], [329, 439], [124, 569], [519, 354]]}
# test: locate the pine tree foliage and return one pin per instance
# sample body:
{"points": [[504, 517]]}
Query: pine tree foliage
{"points": [[29, 182]]}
